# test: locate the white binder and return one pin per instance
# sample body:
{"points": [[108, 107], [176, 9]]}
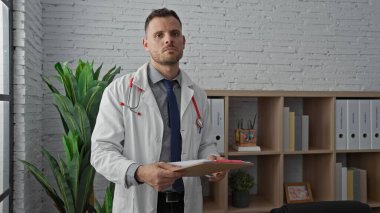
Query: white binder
{"points": [[341, 124], [375, 124], [353, 124], [364, 125], [217, 116]]}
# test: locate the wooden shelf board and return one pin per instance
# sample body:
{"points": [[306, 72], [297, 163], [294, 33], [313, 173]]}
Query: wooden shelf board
{"points": [[357, 151], [308, 152], [258, 204], [374, 203], [232, 152], [316, 94]]}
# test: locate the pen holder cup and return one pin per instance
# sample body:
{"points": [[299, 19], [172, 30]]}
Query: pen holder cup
{"points": [[245, 137]]}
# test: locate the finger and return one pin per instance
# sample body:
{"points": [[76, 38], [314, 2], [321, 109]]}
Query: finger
{"points": [[167, 170], [168, 166], [212, 157]]}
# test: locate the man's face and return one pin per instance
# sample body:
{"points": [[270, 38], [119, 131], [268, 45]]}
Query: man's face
{"points": [[164, 40]]}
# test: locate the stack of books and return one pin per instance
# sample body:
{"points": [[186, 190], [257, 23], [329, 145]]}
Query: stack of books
{"points": [[351, 183], [246, 148], [296, 131]]}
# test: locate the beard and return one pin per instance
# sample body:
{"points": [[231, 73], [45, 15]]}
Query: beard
{"points": [[163, 59]]}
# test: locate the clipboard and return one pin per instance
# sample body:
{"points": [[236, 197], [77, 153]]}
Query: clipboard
{"points": [[195, 168]]}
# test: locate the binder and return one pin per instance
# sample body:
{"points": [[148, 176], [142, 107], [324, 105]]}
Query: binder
{"points": [[375, 124], [341, 124], [364, 125], [286, 128], [217, 116], [353, 124]]}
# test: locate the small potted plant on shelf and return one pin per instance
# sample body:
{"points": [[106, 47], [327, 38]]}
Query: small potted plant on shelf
{"points": [[240, 183]]}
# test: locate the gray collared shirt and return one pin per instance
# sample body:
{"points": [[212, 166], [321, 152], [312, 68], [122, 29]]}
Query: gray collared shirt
{"points": [[157, 86]]}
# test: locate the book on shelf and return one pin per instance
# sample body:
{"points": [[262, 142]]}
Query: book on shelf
{"points": [[286, 128], [246, 148]]}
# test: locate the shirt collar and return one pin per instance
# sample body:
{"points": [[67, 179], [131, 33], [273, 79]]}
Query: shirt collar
{"points": [[155, 76]]}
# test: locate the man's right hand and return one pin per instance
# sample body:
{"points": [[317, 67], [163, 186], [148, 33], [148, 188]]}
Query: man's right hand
{"points": [[158, 175]]}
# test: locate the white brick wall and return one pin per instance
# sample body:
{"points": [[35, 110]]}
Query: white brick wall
{"points": [[28, 100], [245, 44]]}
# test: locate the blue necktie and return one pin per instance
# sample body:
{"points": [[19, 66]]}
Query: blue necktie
{"points": [[175, 133]]}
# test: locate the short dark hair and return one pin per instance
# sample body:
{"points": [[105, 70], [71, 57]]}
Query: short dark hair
{"points": [[163, 12]]}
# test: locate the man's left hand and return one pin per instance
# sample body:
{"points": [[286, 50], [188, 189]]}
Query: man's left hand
{"points": [[217, 176]]}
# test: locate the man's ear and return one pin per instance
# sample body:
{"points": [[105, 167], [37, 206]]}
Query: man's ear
{"points": [[145, 44], [184, 41]]}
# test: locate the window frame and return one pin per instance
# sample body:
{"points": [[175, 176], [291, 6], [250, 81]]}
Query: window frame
{"points": [[8, 193]]}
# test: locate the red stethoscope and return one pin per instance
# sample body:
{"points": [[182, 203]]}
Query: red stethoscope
{"points": [[133, 104]]}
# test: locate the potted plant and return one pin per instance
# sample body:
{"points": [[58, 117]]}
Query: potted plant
{"points": [[78, 108], [240, 183]]}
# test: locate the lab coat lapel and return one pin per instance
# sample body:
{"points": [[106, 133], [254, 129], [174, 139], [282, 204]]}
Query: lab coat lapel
{"points": [[187, 92]]}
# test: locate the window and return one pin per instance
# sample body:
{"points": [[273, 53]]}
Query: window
{"points": [[5, 107]]}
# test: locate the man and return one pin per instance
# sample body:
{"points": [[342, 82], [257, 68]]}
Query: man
{"points": [[148, 118]]}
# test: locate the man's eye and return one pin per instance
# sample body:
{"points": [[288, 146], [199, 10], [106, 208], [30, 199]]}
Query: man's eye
{"points": [[158, 35], [176, 34]]}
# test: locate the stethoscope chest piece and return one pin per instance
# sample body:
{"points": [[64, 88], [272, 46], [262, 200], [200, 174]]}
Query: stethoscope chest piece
{"points": [[199, 123]]}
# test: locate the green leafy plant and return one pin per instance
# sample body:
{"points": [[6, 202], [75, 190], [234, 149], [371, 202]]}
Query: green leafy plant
{"points": [[108, 199], [78, 109], [241, 181]]}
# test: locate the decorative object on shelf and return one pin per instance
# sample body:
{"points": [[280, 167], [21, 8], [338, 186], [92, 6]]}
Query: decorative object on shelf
{"points": [[246, 139], [240, 183], [299, 192]]}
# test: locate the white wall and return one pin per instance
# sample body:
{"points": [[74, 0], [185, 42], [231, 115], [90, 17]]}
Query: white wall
{"points": [[28, 100], [244, 44]]}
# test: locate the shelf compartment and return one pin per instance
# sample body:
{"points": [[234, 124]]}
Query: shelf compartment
{"points": [[268, 110], [369, 161], [316, 169], [266, 194], [321, 119]]}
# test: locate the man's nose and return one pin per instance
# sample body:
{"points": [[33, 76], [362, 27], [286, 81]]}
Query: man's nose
{"points": [[168, 39]]}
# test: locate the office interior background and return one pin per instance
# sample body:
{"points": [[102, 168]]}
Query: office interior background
{"points": [[295, 45]]}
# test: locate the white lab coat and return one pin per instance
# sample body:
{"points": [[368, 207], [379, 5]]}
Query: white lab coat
{"points": [[122, 137]]}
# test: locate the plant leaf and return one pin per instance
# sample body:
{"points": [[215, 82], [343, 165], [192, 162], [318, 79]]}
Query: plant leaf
{"points": [[85, 187], [41, 178], [108, 198], [92, 102], [61, 181], [97, 72], [50, 85], [83, 123], [70, 83], [84, 81]]}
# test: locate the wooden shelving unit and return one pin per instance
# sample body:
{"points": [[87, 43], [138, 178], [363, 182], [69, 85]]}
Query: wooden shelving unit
{"points": [[318, 162]]}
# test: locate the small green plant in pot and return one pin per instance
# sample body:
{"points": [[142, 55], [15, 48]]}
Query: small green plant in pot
{"points": [[240, 183]]}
